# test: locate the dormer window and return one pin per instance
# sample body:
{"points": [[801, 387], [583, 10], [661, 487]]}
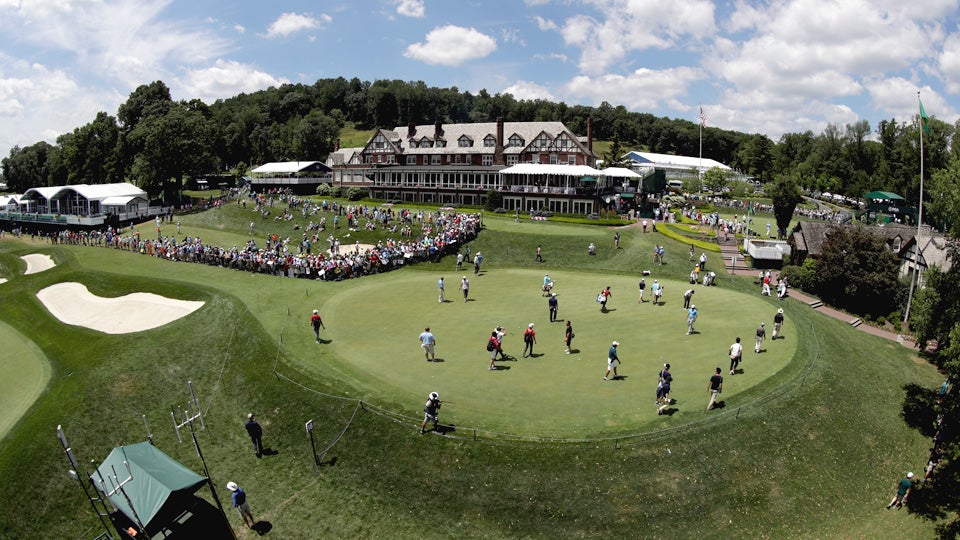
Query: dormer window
{"points": [[489, 141], [516, 140]]}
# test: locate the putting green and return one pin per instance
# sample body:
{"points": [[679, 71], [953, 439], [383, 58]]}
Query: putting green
{"points": [[24, 374], [374, 329]]}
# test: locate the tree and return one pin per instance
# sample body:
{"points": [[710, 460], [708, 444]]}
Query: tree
{"points": [[786, 195], [27, 167], [715, 179], [943, 191], [614, 155], [494, 200], [173, 145], [857, 271], [755, 155]]}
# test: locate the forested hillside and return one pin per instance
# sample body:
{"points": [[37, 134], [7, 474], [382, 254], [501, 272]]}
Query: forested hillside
{"points": [[157, 142]]}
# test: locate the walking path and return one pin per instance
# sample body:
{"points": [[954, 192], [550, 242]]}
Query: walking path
{"points": [[736, 265]]}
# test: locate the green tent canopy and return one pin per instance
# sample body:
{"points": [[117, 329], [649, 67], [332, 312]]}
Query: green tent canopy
{"points": [[627, 195], [588, 179], [883, 195], [157, 482]]}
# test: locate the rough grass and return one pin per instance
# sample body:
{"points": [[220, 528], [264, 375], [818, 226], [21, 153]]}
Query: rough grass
{"points": [[818, 459]]}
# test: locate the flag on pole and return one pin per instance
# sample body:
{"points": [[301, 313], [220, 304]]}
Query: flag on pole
{"points": [[924, 119], [703, 116]]}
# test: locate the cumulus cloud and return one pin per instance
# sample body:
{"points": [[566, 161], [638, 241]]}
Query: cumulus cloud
{"points": [[37, 102], [410, 8], [644, 89], [451, 46], [224, 79], [635, 26], [292, 23], [529, 90], [239, 28], [949, 63]]}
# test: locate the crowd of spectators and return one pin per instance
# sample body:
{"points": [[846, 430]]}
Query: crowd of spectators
{"points": [[440, 232]]}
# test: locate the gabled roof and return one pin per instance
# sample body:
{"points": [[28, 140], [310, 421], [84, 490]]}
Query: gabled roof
{"points": [[90, 192], [810, 235], [121, 201], [528, 131], [559, 170], [155, 478], [883, 196], [671, 161], [342, 156], [290, 167], [619, 172]]}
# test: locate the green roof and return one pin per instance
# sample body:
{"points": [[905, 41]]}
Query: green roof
{"points": [[883, 195], [154, 478], [627, 195]]}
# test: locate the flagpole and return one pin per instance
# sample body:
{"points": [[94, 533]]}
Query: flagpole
{"points": [[916, 244], [700, 164]]}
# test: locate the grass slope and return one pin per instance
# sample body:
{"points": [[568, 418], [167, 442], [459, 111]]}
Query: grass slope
{"points": [[817, 458]]}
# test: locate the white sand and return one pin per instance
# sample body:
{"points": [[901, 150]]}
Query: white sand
{"points": [[37, 262], [351, 248], [73, 304]]}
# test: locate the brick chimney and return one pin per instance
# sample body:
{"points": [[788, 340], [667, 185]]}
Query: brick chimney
{"points": [[336, 144], [590, 134], [411, 129], [437, 130], [498, 146]]}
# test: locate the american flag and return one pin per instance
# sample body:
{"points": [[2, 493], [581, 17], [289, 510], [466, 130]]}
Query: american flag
{"points": [[703, 117]]}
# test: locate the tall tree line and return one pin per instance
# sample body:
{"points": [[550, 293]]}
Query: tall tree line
{"points": [[157, 142]]}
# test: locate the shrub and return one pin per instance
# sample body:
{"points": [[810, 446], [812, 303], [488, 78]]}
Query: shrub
{"points": [[356, 193], [494, 200], [323, 190]]}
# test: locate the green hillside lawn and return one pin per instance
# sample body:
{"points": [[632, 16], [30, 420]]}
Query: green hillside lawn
{"points": [[818, 459]]}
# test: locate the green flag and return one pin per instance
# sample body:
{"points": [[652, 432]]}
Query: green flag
{"points": [[924, 119]]}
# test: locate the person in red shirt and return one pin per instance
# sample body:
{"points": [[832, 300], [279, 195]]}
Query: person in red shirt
{"points": [[317, 324], [529, 338]]}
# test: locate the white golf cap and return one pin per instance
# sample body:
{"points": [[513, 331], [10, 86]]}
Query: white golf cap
{"points": [[434, 395], [530, 325], [693, 306], [316, 311], [232, 486], [616, 343], [909, 475]]}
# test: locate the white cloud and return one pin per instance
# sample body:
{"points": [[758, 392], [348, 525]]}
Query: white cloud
{"points": [[644, 89], [451, 46], [635, 25], [545, 24], [291, 23], [239, 28], [41, 103], [121, 39], [410, 8], [552, 56], [528, 90], [226, 78], [949, 63]]}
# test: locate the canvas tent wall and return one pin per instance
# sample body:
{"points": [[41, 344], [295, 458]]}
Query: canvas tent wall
{"points": [[158, 485]]}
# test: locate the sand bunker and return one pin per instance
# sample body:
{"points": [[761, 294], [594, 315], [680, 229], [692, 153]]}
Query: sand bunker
{"points": [[351, 248], [73, 304], [37, 262]]}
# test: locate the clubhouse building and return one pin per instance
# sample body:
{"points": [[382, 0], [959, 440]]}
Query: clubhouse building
{"points": [[534, 165]]}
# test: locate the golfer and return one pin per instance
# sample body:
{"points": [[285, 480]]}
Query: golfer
{"points": [[428, 342], [440, 299], [256, 434], [465, 287], [761, 334], [612, 361], [715, 386], [317, 323], [777, 324], [736, 354]]}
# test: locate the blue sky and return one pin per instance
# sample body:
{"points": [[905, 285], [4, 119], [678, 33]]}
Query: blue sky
{"points": [[769, 67]]}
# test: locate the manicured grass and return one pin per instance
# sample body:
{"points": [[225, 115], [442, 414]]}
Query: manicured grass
{"points": [[381, 353], [813, 450], [24, 373]]}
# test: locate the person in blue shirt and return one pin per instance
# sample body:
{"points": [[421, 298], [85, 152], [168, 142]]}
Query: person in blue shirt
{"points": [[239, 499], [612, 361]]}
